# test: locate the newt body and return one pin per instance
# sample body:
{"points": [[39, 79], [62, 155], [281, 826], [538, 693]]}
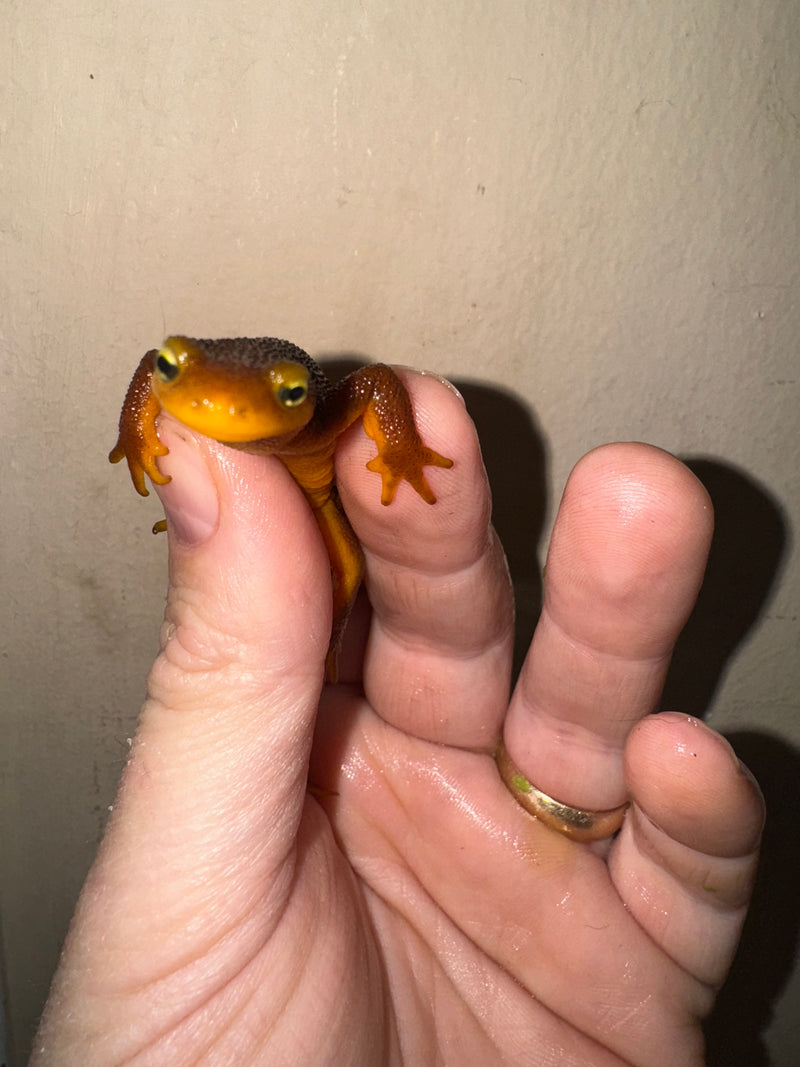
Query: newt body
{"points": [[268, 397]]}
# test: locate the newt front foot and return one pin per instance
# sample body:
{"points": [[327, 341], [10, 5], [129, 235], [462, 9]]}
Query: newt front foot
{"points": [[394, 467]]}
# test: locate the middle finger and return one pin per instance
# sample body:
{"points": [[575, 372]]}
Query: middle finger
{"points": [[625, 564]]}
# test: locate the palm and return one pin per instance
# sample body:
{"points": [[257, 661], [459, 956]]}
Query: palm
{"points": [[496, 940]]}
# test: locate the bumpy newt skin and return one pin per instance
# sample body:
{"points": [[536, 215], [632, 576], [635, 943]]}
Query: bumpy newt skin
{"points": [[268, 397]]}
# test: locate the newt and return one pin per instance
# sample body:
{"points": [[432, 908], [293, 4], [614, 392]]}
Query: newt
{"points": [[268, 397]]}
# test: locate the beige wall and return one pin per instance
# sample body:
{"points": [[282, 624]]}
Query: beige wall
{"points": [[590, 205]]}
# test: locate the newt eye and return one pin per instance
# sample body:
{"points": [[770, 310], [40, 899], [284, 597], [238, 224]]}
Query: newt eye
{"points": [[166, 366], [291, 396], [290, 385]]}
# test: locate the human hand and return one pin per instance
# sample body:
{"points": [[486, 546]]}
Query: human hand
{"points": [[407, 910]]}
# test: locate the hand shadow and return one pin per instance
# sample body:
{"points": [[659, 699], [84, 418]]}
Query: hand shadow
{"points": [[515, 458], [746, 558], [767, 951]]}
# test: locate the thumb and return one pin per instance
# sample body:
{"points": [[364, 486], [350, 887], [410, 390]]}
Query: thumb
{"points": [[205, 820], [249, 586], [233, 694]]}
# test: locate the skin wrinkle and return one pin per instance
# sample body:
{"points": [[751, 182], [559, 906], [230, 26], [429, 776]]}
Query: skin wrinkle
{"points": [[437, 704], [187, 621], [226, 992], [234, 924], [205, 647], [242, 831], [410, 976], [631, 1014], [216, 722], [412, 643], [488, 549], [707, 985], [590, 738], [367, 942], [184, 654], [440, 959], [574, 735], [445, 979], [463, 577], [632, 878], [536, 994], [660, 659], [172, 1026], [288, 988], [435, 966], [224, 674], [685, 870]]}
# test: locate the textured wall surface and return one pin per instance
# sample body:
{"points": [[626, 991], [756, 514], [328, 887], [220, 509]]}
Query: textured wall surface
{"points": [[589, 211]]}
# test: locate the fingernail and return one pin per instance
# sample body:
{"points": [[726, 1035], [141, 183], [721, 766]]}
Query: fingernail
{"points": [[444, 381], [431, 374], [190, 500]]}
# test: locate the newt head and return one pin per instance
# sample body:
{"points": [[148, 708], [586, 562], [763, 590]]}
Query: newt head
{"points": [[232, 391]]}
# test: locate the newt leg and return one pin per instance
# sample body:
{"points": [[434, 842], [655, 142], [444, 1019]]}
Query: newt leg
{"points": [[377, 395], [347, 568], [138, 442], [398, 460]]}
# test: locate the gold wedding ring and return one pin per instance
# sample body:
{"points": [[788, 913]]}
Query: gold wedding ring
{"points": [[576, 823]]}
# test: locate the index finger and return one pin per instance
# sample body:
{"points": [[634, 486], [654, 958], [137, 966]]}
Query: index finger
{"points": [[437, 662]]}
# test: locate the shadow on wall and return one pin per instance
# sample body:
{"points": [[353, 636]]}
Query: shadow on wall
{"points": [[747, 553], [515, 458], [745, 559], [767, 952]]}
